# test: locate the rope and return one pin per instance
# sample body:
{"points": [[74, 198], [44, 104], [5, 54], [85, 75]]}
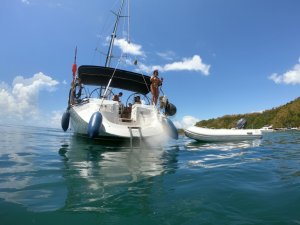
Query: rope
{"points": [[161, 91], [112, 76], [145, 83]]}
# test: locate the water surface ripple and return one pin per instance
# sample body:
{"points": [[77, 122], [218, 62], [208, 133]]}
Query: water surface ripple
{"points": [[48, 176]]}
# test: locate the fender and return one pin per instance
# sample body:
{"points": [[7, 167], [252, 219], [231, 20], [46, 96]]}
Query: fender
{"points": [[170, 109], [65, 119], [94, 124]]}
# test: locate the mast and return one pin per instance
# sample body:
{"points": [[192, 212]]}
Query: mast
{"points": [[113, 36]]}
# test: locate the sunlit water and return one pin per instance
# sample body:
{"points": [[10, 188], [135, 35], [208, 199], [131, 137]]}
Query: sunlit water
{"points": [[51, 177]]}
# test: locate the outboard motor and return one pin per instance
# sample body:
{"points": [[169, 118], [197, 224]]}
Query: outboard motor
{"points": [[94, 124], [241, 123], [65, 119]]}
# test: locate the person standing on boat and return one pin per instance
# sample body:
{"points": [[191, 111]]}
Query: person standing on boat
{"points": [[155, 83], [117, 99]]}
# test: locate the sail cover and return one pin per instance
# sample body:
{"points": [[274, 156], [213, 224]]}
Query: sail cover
{"points": [[126, 80]]}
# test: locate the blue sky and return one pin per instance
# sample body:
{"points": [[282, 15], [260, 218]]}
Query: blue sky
{"points": [[217, 57]]}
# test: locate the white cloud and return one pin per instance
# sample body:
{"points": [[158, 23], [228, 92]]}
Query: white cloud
{"points": [[4, 86], [186, 122], [195, 63], [19, 103], [289, 77], [191, 64], [129, 47], [55, 118], [168, 55], [25, 2], [149, 69]]}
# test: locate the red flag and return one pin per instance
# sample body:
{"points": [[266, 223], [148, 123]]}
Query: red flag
{"points": [[74, 66], [74, 69]]}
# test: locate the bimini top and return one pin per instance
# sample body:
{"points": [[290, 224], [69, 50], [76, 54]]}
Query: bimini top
{"points": [[126, 80]]}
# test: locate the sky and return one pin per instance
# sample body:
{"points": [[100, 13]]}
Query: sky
{"points": [[217, 57]]}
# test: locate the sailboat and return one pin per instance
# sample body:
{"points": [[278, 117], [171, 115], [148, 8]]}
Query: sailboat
{"points": [[96, 114]]}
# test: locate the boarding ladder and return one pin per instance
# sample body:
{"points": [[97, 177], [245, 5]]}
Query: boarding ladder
{"points": [[131, 135]]}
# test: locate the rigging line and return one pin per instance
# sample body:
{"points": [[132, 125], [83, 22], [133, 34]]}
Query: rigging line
{"points": [[125, 34], [112, 76], [128, 21], [145, 82], [125, 29], [161, 90], [105, 28], [113, 36]]}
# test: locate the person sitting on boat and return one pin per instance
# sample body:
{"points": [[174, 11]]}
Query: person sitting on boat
{"points": [[127, 111], [117, 97], [155, 83], [137, 100], [75, 92]]}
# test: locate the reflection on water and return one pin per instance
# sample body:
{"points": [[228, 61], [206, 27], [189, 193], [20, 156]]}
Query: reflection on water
{"points": [[47, 170], [222, 146], [184, 182], [97, 176], [29, 168], [221, 154]]}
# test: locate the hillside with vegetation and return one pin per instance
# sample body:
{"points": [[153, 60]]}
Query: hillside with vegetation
{"points": [[284, 116]]}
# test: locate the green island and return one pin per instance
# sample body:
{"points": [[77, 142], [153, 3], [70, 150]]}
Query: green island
{"points": [[282, 117]]}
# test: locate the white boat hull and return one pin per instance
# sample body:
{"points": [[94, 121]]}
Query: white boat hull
{"points": [[266, 129], [220, 135], [145, 122]]}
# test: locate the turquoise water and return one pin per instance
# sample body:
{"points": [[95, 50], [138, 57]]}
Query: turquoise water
{"points": [[51, 177]]}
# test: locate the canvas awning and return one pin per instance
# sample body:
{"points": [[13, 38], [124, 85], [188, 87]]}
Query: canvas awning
{"points": [[122, 79]]}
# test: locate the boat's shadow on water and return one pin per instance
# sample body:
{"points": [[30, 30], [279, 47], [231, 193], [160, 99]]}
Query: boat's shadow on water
{"points": [[104, 176]]}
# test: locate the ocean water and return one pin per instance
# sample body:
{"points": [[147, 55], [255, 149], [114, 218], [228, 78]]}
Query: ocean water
{"points": [[51, 177]]}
